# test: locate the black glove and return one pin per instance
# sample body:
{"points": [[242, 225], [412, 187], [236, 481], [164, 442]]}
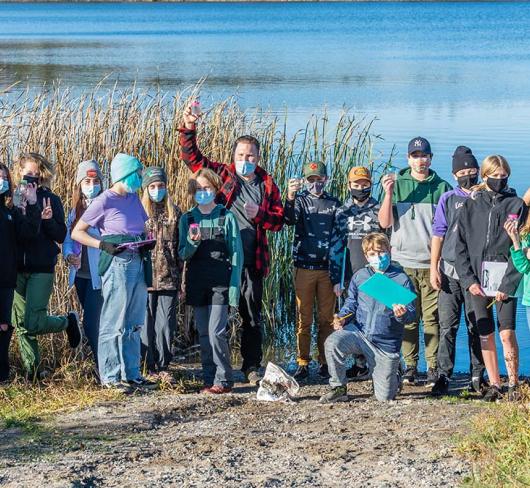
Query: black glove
{"points": [[110, 248]]}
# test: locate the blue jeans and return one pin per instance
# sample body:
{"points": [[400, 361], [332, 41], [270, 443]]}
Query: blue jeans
{"points": [[528, 316], [91, 301], [122, 316]]}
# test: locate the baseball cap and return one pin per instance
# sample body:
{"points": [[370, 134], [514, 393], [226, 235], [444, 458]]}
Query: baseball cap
{"points": [[315, 169], [359, 173], [419, 144]]}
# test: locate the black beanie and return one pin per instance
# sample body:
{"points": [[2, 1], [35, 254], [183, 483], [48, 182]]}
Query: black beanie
{"points": [[463, 159]]}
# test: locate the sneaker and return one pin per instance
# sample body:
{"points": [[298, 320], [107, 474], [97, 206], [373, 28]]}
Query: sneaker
{"points": [[358, 373], [216, 390], [253, 376], [514, 394], [73, 330], [493, 393], [301, 373], [441, 386], [337, 394], [120, 386], [323, 371], [142, 383], [204, 388], [477, 384], [432, 377], [409, 378]]}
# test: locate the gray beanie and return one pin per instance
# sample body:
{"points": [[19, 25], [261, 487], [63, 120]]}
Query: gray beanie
{"points": [[152, 174], [88, 168]]}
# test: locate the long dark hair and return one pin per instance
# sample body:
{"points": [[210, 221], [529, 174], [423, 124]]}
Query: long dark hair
{"points": [[78, 204], [8, 195]]}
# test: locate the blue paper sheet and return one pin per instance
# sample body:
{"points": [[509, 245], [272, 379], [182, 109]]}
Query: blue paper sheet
{"points": [[386, 291]]}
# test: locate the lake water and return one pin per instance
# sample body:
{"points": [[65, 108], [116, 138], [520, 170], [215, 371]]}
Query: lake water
{"points": [[456, 73]]}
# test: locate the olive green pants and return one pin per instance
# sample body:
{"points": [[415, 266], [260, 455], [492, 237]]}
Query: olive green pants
{"points": [[30, 315], [427, 312]]}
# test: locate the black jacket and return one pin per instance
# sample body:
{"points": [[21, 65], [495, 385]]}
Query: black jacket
{"points": [[15, 229], [313, 218], [39, 255], [481, 236]]}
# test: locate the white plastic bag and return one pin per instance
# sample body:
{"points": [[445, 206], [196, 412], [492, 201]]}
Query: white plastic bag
{"points": [[277, 385]]}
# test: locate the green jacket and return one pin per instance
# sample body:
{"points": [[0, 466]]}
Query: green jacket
{"points": [[105, 258], [187, 247], [522, 264], [414, 205]]}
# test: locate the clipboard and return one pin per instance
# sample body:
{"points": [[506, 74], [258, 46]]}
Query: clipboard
{"points": [[386, 291], [491, 276]]}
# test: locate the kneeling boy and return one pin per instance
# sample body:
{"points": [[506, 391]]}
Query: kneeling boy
{"points": [[366, 326]]}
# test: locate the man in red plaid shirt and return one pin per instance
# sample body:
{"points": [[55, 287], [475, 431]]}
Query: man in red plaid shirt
{"points": [[251, 194]]}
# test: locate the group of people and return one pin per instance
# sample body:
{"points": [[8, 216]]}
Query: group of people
{"points": [[132, 258]]}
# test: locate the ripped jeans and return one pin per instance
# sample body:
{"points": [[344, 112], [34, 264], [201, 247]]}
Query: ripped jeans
{"points": [[122, 316]]}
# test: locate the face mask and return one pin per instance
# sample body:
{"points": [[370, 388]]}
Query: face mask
{"points": [[498, 185], [245, 168], [361, 195], [316, 187], [380, 262], [132, 183], [157, 195], [31, 179], [4, 186], [204, 197], [91, 192], [467, 181]]}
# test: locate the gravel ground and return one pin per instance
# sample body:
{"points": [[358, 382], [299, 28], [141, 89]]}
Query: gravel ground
{"points": [[169, 439]]}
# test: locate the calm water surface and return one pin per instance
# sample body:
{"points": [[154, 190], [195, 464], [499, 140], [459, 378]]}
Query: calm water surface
{"points": [[454, 73]]}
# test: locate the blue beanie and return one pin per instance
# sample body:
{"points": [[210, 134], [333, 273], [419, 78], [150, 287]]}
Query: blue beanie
{"points": [[122, 166]]}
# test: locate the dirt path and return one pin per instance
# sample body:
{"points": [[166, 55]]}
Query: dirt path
{"points": [[166, 439]]}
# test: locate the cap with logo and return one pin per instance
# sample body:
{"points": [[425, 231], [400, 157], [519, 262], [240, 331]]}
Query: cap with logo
{"points": [[153, 174], [88, 169], [419, 144], [315, 169], [359, 173]]}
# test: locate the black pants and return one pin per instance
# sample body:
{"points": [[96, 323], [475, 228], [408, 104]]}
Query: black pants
{"points": [[6, 304], [452, 298], [484, 316], [250, 305]]}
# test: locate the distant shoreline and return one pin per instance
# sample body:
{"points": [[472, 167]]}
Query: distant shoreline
{"points": [[259, 1]]}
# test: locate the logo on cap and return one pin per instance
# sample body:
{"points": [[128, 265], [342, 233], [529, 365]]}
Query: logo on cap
{"points": [[91, 173], [417, 142], [313, 166]]}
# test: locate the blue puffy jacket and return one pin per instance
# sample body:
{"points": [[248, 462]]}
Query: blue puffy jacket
{"points": [[376, 321]]}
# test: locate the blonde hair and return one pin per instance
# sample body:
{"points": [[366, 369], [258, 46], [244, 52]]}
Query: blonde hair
{"points": [[149, 205], [213, 178], [375, 240], [489, 165], [46, 169]]}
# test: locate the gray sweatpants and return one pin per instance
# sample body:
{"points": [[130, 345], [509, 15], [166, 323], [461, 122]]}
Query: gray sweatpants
{"points": [[383, 366], [211, 322]]}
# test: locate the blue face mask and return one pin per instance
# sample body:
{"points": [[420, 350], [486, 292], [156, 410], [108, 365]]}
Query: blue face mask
{"points": [[157, 194], [91, 192], [132, 183], [245, 168], [204, 197], [4, 186], [380, 262]]}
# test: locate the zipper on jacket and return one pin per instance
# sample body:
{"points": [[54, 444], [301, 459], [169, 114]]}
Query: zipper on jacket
{"points": [[489, 226]]}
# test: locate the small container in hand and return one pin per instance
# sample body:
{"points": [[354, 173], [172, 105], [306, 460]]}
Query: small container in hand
{"points": [[195, 230], [513, 218], [196, 108]]}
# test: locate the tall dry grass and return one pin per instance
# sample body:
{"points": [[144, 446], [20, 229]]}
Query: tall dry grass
{"points": [[69, 128]]}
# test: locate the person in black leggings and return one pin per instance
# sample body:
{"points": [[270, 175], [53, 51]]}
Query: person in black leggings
{"points": [[482, 240]]}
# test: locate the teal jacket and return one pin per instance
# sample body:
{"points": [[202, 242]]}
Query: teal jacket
{"points": [[522, 264], [187, 247]]}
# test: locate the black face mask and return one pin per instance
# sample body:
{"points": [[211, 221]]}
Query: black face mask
{"points": [[498, 185], [31, 180], [467, 181], [361, 195]]}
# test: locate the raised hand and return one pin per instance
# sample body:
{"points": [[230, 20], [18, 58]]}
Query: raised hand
{"points": [[31, 193], [190, 119], [47, 212]]}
